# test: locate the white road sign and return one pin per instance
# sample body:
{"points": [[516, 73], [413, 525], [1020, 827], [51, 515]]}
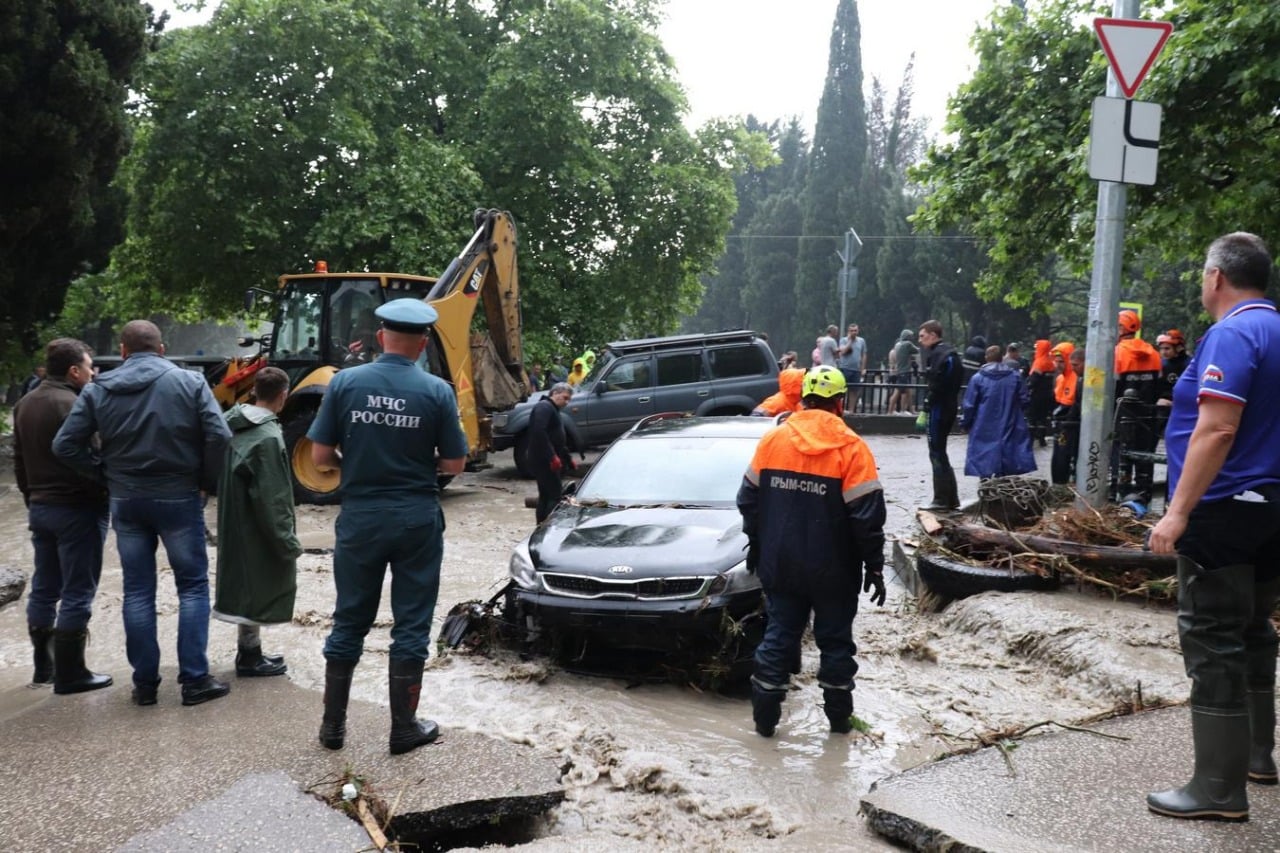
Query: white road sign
{"points": [[1123, 141]]}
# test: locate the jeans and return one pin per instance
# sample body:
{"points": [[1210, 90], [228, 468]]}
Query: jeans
{"points": [[411, 541], [788, 614], [178, 522], [68, 540], [941, 420]]}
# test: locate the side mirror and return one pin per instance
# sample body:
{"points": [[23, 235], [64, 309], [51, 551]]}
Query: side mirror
{"points": [[246, 341], [570, 489]]}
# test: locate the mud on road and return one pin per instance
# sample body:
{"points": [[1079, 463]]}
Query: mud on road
{"points": [[669, 765]]}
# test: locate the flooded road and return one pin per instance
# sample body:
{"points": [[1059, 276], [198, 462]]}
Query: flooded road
{"points": [[672, 766]]}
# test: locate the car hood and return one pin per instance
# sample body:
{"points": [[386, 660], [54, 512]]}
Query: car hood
{"points": [[653, 541]]}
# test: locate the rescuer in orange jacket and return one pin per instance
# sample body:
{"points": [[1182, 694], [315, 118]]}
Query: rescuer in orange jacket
{"points": [[1138, 374], [790, 384], [813, 511]]}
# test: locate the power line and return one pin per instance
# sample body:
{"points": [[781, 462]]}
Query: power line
{"points": [[841, 236]]}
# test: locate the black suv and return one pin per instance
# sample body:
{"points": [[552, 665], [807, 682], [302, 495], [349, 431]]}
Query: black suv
{"points": [[723, 373]]}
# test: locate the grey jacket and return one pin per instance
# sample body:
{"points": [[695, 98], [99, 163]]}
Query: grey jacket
{"points": [[162, 432]]}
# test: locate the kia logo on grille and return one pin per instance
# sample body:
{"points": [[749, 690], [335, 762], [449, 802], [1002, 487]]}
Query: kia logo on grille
{"points": [[619, 570]]}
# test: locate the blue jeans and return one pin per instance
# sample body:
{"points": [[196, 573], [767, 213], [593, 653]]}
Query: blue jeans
{"points": [[68, 541], [832, 630], [411, 541], [178, 522]]}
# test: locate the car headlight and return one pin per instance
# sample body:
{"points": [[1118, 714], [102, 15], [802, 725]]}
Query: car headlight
{"points": [[735, 580], [521, 567], [499, 420]]}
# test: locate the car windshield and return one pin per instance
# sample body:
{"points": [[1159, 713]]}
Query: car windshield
{"points": [[690, 470]]}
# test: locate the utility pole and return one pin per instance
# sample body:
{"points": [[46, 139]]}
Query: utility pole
{"points": [[847, 285], [1093, 463]]}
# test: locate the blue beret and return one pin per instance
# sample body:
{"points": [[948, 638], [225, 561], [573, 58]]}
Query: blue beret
{"points": [[406, 315]]}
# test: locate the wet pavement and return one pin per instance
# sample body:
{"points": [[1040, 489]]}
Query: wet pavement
{"points": [[641, 765]]}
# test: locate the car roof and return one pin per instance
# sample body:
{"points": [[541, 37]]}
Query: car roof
{"points": [[674, 423], [676, 341]]}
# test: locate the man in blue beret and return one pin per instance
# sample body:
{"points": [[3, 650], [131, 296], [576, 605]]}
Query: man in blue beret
{"points": [[390, 427]]}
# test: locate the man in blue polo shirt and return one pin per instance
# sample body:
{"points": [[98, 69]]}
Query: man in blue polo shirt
{"points": [[390, 426], [1223, 521]]}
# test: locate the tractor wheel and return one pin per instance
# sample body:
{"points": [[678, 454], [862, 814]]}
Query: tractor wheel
{"points": [[311, 485]]}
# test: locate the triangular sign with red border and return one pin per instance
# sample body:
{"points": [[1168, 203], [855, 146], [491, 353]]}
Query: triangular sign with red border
{"points": [[1131, 47]]}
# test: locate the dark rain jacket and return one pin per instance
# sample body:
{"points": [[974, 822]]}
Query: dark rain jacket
{"points": [[161, 429], [944, 374], [41, 476], [999, 440], [813, 508], [257, 546], [546, 438]]}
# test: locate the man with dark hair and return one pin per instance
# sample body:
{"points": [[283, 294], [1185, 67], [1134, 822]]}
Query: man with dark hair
{"points": [[67, 514], [813, 512], [548, 452], [1223, 522], [37, 376], [163, 439], [257, 546], [396, 426], [944, 376]]}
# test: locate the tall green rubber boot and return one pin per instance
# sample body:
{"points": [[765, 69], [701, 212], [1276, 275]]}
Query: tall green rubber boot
{"points": [[1214, 608]]}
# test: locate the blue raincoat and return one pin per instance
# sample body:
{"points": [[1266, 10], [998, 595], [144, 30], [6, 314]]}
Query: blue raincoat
{"points": [[999, 440]]}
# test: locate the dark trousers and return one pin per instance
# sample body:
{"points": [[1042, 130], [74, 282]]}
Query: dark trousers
{"points": [[409, 539], [788, 613], [942, 418], [550, 489], [1066, 448], [68, 540]]}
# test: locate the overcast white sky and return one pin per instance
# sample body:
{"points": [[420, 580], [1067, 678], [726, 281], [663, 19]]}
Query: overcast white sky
{"points": [[769, 57]]}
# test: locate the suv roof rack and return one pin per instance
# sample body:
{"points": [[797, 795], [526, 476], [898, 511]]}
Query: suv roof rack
{"points": [[660, 416], [675, 341]]}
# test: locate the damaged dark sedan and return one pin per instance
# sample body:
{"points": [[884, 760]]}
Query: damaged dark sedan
{"points": [[648, 552]]}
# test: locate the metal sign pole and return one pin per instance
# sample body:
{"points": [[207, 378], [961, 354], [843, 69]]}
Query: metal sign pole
{"points": [[1093, 463]]}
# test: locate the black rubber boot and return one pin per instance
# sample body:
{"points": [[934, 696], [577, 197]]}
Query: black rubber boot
{"points": [[70, 675], [404, 679], [838, 705], [337, 690], [1217, 788], [42, 654], [1262, 643], [1262, 728], [766, 708], [946, 495], [1214, 608]]}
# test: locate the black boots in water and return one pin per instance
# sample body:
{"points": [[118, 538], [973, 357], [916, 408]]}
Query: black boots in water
{"points": [[70, 675], [1213, 613], [766, 708], [838, 705], [404, 679], [42, 654], [337, 690]]}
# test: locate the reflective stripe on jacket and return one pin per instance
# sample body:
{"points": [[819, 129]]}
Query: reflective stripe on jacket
{"points": [[812, 503]]}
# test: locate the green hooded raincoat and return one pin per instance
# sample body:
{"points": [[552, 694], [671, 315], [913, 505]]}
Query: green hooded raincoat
{"points": [[257, 546]]}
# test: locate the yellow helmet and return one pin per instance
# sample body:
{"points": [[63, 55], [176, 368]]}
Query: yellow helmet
{"points": [[824, 381]]}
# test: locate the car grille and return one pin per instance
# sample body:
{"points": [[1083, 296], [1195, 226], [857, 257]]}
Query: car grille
{"points": [[580, 586]]}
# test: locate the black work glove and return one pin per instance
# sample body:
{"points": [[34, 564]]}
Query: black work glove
{"points": [[873, 582], [753, 557]]}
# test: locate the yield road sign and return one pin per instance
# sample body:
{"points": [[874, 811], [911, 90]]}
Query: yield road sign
{"points": [[1131, 47], [1123, 141]]}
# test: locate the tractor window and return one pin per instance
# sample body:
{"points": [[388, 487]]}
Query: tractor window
{"points": [[297, 332], [352, 323]]}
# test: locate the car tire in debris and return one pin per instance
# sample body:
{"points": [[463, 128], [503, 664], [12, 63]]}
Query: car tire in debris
{"points": [[310, 484], [951, 579]]}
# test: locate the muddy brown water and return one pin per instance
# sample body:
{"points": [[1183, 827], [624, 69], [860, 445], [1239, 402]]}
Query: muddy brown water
{"points": [[669, 765]]}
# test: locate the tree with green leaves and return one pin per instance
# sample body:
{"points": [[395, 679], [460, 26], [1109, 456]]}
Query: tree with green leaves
{"points": [[1015, 168], [65, 69], [832, 203], [366, 131]]}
